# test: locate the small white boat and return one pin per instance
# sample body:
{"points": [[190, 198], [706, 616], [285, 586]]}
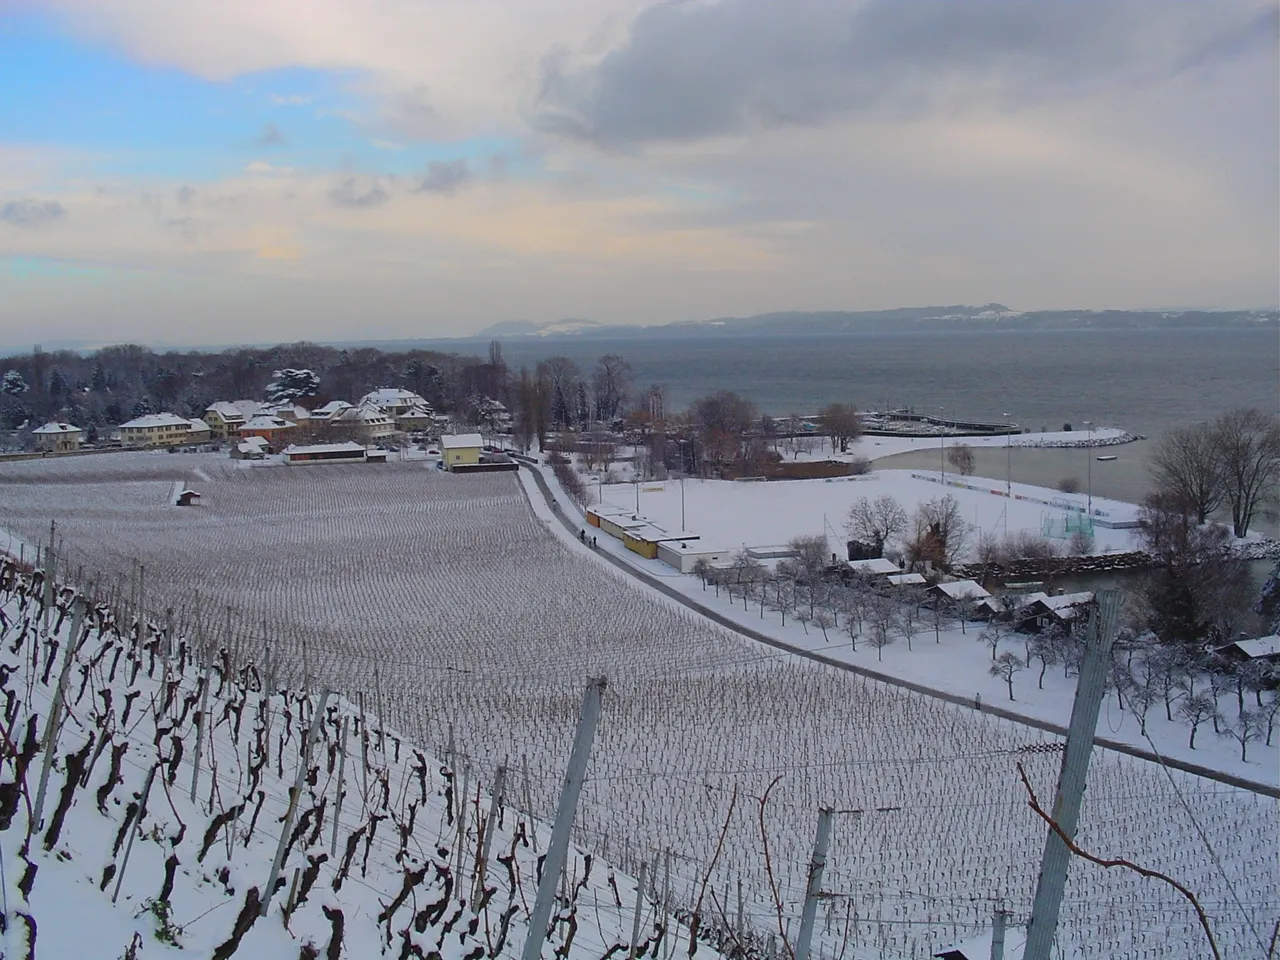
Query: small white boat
{"points": [[1108, 458]]}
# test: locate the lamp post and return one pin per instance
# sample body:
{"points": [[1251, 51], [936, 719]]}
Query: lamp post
{"points": [[1089, 482], [1008, 458], [942, 444]]}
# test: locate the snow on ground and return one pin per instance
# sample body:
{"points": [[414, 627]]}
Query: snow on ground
{"points": [[955, 661], [395, 867], [448, 599], [732, 514]]}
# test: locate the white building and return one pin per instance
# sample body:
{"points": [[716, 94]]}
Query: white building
{"points": [[394, 401], [158, 430]]}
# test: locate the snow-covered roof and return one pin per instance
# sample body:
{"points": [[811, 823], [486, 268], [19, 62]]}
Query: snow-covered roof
{"points": [[349, 446], [158, 420], [963, 590], [458, 441], [330, 409], [250, 444], [907, 579], [198, 425], [268, 423], [877, 565], [248, 408], [417, 411], [56, 427], [1259, 647], [393, 397], [1057, 602], [226, 410]]}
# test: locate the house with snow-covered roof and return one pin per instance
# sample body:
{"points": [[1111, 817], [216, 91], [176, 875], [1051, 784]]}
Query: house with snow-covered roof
{"points": [[226, 417], [366, 423], [1265, 649], [460, 450], [1039, 610], [275, 430], [875, 567], [58, 437], [959, 591], [157, 430], [394, 401]]}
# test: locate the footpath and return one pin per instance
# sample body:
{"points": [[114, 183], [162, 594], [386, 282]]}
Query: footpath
{"points": [[572, 527]]}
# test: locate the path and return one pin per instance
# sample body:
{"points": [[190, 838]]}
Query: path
{"points": [[573, 529]]}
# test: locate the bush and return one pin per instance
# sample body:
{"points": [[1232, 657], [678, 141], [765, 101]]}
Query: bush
{"points": [[1080, 544], [1069, 485], [859, 466]]}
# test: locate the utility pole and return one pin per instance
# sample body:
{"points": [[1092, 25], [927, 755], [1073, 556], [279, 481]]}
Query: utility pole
{"points": [[558, 848], [1089, 450], [1072, 778], [816, 866], [999, 921]]}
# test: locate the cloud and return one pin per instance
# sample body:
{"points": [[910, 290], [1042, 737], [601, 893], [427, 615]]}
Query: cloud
{"points": [[31, 214], [695, 70], [359, 193], [270, 136], [444, 176], [289, 100]]}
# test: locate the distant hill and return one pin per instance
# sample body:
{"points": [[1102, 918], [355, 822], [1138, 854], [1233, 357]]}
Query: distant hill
{"points": [[992, 316]]}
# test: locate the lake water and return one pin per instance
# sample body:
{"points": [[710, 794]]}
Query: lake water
{"points": [[1145, 381]]}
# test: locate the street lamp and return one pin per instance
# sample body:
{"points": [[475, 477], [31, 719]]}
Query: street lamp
{"points": [[1089, 450], [1008, 458]]}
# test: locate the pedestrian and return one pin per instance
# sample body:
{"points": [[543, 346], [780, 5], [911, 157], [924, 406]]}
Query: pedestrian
{"points": [[977, 700], [593, 542]]}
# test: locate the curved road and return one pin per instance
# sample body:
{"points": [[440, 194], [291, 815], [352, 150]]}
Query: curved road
{"points": [[1255, 786]]}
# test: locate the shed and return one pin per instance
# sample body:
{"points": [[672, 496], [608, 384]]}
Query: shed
{"points": [[180, 495], [250, 448], [1042, 609], [906, 580], [776, 552], [349, 452], [685, 554], [647, 539], [958, 590], [1266, 649], [875, 567]]}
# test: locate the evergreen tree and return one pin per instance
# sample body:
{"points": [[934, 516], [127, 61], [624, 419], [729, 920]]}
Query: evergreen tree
{"points": [[13, 385]]}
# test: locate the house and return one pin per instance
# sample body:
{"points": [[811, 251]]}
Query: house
{"points": [[906, 580], [250, 448], [156, 430], [415, 420], [226, 417], [1264, 649], [58, 437], [293, 412], [460, 450], [394, 401], [876, 567], [273, 429], [1039, 610], [349, 452], [958, 591], [366, 423], [329, 411], [200, 432]]}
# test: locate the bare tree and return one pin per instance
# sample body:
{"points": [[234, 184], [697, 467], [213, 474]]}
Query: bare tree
{"points": [[995, 632], [961, 457], [1141, 698], [909, 617], [841, 423], [824, 620], [940, 536], [882, 616], [723, 421], [812, 556], [1248, 727], [876, 521], [1044, 648], [939, 616], [1269, 710], [1004, 667], [1248, 445], [1196, 709], [1186, 464]]}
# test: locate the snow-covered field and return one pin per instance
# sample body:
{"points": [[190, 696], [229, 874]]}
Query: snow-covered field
{"points": [[164, 811], [449, 600], [733, 514]]}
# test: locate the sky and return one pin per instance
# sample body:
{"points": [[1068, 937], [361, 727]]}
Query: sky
{"points": [[245, 171]]}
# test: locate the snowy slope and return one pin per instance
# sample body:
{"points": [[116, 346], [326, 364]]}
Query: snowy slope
{"points": [[394, 872]]}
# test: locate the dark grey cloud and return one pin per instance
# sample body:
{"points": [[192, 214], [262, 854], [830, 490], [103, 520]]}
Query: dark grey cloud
{"points": [[31, 214], [359, 192], [690, 70], [444, 176], [270, 136]]}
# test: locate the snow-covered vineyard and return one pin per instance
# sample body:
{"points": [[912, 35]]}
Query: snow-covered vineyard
{"points": [[459, 618], [161, 784]]}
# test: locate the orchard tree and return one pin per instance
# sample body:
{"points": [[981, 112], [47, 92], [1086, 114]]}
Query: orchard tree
{"points": [[1249, 726], [1196, 710], [1005, 667], [940, 536]]}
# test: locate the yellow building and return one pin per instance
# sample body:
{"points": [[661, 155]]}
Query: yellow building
{"points": [[157, 430], [460, 450]]}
